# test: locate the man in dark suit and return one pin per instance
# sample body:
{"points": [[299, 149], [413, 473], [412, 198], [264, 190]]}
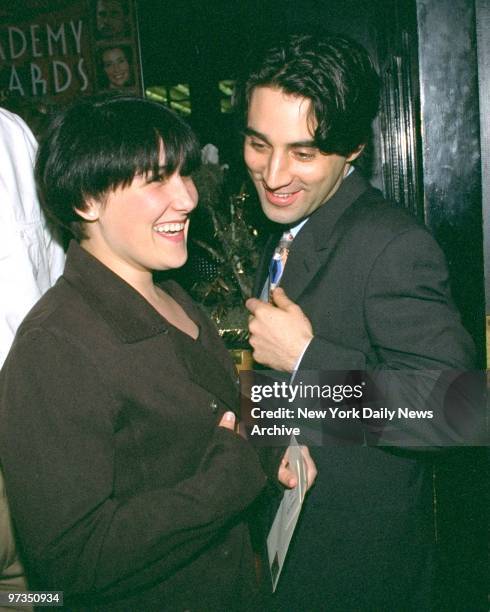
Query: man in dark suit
{"points": [[365, 287]]}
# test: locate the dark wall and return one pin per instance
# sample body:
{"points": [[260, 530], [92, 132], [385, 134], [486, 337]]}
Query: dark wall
{"points": [[483, 46], [452, 187], [450, 120], [181, 40], [203, 42]]}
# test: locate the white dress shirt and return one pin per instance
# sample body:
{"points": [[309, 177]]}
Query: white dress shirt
{"points": [[30, 259]]}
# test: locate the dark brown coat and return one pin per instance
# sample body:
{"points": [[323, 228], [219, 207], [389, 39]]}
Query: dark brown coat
{"points": [[124, 492]]}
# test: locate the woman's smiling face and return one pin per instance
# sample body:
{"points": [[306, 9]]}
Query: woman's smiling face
{"points": [[116, 67], [143, 226]]}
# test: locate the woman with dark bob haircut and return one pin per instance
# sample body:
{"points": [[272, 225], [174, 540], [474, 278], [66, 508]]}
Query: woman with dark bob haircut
{"points": [[126, 480]]}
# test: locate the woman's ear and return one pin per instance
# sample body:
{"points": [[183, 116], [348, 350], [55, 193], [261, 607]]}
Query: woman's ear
{"points": [[90, 212], [355, 154]]}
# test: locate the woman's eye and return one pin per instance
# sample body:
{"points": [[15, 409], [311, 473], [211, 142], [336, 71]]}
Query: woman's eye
{"points": [[156, 178]]}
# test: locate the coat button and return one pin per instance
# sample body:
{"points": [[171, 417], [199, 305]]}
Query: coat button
{"points": [[214, 406]]}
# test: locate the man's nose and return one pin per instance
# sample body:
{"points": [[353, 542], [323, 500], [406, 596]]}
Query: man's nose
{"points": [[277, 172]]}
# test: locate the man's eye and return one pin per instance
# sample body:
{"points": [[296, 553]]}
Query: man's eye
{"points": [[304, 155], [258, 146]]}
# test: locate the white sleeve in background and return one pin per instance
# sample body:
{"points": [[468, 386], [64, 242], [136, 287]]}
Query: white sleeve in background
{"points": [[30, 259]]}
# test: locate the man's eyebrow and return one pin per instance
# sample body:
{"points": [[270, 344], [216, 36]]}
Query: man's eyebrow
{"points": [[248, 131], [309, 144]]}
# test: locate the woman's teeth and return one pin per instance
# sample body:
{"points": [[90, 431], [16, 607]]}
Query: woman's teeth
{"points": [[169, 228]]}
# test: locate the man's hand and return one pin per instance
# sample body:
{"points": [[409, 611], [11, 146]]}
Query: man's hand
{"points": [[279, 332], [288, 478]]}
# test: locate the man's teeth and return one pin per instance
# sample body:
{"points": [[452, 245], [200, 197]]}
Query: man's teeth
{"points": [[169, 228], [283, 195]]}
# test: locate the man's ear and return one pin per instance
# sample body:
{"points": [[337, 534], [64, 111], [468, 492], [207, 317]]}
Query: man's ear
{"points": [[90, 212], [355, 154]]}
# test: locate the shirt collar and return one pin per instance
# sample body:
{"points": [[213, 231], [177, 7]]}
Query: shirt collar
{"points": [[294, 230]]}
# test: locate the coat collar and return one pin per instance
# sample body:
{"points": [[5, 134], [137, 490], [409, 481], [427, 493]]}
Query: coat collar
{"points": [[133, 319], [130, 316]]}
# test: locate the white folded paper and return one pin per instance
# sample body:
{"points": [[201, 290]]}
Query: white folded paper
{"points": [[287, 514]]}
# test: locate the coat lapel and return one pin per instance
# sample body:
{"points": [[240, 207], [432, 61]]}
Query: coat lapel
{"points": [[302, 264], [207, 361], [317, 239], [133, 319], [204, 368]]}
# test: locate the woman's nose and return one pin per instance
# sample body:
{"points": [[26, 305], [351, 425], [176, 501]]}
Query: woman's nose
{"points": [[184, 193]]}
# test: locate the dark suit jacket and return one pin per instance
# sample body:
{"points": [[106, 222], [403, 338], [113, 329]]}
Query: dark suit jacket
{"points": [[124, 492], [374, 285]]}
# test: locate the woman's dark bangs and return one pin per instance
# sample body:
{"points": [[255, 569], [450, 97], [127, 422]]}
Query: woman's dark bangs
{"points": [[190, 156], [132, 134], [181, 148], [138, 153]]}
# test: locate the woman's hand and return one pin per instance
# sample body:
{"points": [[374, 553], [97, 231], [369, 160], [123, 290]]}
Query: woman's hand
{"points": [[228, 420]]}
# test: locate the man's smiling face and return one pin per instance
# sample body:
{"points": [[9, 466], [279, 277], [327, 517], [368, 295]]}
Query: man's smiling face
{"points": [[292, 176]]}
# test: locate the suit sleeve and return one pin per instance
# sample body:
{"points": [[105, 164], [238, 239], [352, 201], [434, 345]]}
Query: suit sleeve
{"points": [[57, 453], [423, 354], [409, 316]]}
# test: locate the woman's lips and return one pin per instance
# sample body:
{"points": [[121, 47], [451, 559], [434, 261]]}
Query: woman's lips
{"points": [[173, 231]]}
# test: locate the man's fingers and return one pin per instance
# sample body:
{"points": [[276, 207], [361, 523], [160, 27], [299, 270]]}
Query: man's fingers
{"points": [[251, 304], [280, 299], [228, 420]]}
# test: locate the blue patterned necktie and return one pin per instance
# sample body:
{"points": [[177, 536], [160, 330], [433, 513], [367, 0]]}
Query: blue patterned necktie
{"points": [[278, 261]]}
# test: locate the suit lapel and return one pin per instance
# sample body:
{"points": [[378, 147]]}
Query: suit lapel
{"points": [[318, 238], [302, 264]]}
